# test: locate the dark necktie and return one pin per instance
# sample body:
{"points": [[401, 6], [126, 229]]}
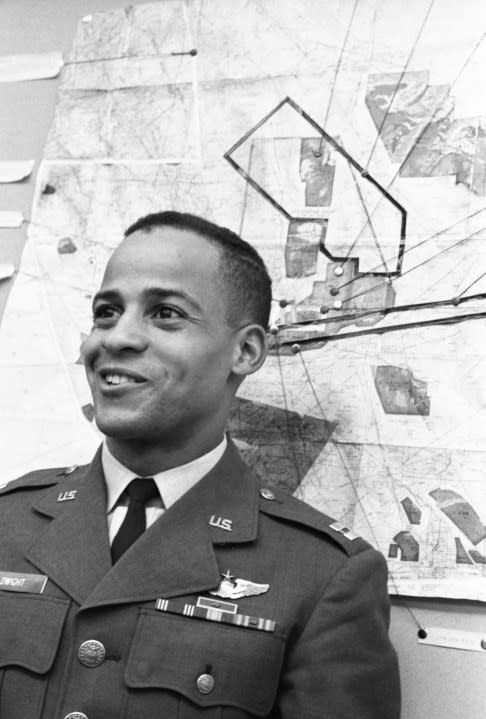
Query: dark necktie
{"points": [[139, 491]]}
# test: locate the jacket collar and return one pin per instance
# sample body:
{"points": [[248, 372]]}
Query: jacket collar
{"points": [[174, 556]]}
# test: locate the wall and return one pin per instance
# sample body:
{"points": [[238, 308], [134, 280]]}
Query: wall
{"points": [[438, 683]]}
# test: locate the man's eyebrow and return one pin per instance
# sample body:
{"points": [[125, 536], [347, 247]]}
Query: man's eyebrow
{"points": [[106, 296], [165, 293], [148, 294]]}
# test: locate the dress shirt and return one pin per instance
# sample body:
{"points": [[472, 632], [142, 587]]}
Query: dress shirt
{"points": [[172, 484]]}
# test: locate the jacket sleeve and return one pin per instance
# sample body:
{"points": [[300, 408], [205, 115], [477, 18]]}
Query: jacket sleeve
{"points": [[342, 665]]}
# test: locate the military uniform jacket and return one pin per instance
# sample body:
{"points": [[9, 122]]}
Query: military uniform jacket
{"points": [[314, 645]]}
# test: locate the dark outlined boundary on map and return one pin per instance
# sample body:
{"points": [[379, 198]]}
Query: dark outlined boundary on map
{"points": [[331, 141]]}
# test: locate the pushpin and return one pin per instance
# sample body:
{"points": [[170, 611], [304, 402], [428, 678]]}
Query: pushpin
{"points": [[456, 301], [324, 310], [87, 18], [283, 303], [273, 329], [337, 305], [334, 291], [295, 349], [422, 634], [338, 271]]}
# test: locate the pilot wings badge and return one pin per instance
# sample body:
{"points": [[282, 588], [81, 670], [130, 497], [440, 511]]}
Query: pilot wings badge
{"points": [[231, 588]]}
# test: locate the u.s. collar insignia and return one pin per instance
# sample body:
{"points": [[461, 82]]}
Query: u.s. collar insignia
{"points": [[67, 496], [231, 588]]}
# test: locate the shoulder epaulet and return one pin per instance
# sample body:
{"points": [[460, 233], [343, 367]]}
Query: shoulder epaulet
{"points": [[286, 507], [38, 478]]}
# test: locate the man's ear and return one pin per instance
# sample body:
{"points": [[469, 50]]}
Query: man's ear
{"points": [[250, 350]]}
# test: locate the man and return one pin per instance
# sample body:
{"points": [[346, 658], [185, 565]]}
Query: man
{"points": [[163, 580]]}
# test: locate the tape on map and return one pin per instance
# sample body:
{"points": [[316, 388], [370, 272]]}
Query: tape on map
{"points": [[454, 639], [14, 68], [15, 171], [10, 218]]}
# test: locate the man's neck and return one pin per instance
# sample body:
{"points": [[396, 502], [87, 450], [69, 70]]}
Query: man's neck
{"points": [[147, 460]]}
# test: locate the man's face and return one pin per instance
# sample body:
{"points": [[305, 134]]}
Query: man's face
{"points": [[160, 354]]}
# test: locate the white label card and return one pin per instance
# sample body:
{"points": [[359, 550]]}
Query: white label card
{"points": [[15, 171], [14, 68], [455, 639], [10, 218]]}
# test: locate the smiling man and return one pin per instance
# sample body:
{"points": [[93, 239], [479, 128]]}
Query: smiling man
{"points": [[165, 579]]}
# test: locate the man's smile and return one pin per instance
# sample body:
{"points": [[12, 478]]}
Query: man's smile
{"points": [[117, 376]]}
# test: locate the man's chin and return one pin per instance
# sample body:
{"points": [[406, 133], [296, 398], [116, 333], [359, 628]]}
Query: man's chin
{"points": [[121, 428]]}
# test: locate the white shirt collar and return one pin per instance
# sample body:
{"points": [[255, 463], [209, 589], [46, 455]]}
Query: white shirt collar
{"points": [[172, 483]]}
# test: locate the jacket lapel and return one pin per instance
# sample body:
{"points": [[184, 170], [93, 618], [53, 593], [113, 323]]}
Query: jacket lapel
{"points": [[74, 549], [175, 556]]}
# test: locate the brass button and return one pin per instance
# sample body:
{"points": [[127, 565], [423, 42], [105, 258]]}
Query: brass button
{"points": [[91, 653], [75, 715], [205, 683], [267, 493]]}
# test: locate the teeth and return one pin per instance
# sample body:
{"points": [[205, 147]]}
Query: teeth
{"points": [[118, 379]]}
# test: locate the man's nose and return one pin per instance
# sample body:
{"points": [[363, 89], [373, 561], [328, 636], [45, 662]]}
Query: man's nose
{"points": [[129, 333]]}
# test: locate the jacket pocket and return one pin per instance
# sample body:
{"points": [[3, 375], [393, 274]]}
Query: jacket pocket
{"points": [[204, 665], [30, 630]]}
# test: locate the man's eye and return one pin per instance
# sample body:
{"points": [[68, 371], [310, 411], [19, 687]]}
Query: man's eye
{"points": [[167, 312], [105, 312]]}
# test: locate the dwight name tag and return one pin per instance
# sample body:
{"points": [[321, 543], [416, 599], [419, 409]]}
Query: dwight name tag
{"points": [[18, 582]]}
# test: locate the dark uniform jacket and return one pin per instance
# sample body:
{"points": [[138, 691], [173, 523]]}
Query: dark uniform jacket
{"points": [[96, 642]]}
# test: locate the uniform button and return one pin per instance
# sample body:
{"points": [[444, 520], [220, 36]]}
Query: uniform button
{"points": [[76, 715], [205, 683], [267, 493], [91, 653]]}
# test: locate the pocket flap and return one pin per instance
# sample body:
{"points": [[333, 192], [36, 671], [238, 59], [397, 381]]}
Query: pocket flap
{"points": [[30, 629], [172, 652]]}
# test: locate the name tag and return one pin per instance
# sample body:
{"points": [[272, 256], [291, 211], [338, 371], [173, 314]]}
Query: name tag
{"points": [[18, 582]]}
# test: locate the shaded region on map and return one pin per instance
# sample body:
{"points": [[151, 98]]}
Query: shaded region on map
{"points": [[405, 544], [361, 294], [304, 240], [400, 392], [417, 126], [88, 411], [317, 167], [357, 292], [259, 430], [461, 513], [411, 510], [462, 557]]}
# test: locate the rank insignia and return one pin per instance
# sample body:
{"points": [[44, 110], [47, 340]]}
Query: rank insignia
{"points": [[348, 533], [231, 588]]}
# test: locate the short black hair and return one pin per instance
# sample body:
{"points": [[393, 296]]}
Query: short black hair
{"points": [[241, 267]]}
